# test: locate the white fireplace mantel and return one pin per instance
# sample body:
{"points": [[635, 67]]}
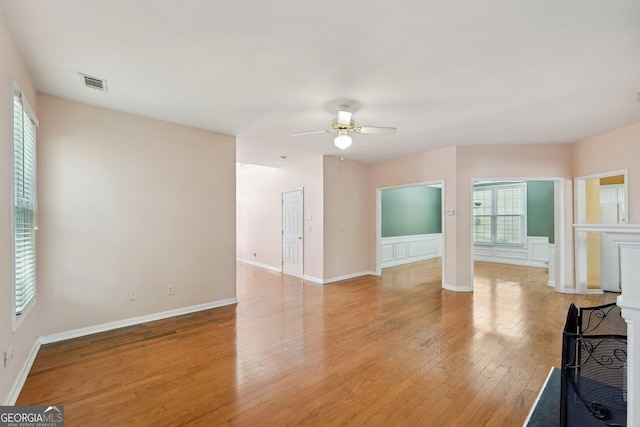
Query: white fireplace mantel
{"points": [[627, 238]]}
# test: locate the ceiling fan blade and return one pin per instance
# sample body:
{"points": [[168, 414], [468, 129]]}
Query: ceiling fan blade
{"points": [[374, 129], [344, 117], [312, 132]]}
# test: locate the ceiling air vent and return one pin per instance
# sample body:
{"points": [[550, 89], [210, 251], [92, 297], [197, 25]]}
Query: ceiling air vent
{"points": [[94, 82]]}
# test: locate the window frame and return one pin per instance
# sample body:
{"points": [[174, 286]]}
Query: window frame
{"points": [[494, 215], [27, 112]]}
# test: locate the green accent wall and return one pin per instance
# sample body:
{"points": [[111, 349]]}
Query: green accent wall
{"points": [[540, 209], [411, 210]]}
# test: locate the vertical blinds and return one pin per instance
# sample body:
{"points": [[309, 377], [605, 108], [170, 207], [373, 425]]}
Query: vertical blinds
{"points": [[24, 202]]}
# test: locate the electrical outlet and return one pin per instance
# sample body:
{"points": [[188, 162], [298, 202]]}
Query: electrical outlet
{"points": [[133, 295], [171, 290], [10, 352]]}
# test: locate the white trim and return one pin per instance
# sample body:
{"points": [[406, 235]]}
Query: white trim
{"points": [[15, 390], [76, 333], [608, 228], [346, 277], [312, 279], [338, 278], [528, 255], [378, 231], [552, 266], [257, 264], [559, 219], [25, 102], [457, 288], [579, 181], [619, 232], [416, 247]]}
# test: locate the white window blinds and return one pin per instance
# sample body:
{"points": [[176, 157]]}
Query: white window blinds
{"points": [[24, 202], [499, 214]]}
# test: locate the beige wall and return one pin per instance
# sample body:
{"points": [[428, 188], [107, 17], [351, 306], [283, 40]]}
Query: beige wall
{"points": [[611, 151], [457, 166], [259, 213], [129, 203], [429, 166], [511, 161], [345, 218], [23, 338]]}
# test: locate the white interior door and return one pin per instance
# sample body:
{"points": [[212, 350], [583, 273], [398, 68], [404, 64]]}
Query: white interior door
{"points": [[292, 218]]}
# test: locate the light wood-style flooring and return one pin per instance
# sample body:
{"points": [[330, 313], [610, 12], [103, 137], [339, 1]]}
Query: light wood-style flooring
{"points": [[395, 350]]}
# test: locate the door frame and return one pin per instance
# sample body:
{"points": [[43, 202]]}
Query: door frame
{"points": [[578, 192], [579, 209], [379, 190], [301, 254], [560, 280]]}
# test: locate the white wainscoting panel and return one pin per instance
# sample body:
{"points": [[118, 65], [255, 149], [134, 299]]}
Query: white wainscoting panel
{"points": [[406, 249], [552, 265], [535, 253]]}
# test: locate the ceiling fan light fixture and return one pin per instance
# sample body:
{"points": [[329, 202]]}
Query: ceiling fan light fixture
{"points": [[343, 140]]}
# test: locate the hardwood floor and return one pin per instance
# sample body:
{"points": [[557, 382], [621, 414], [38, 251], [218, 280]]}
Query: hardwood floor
{"points": [[390, 350]]}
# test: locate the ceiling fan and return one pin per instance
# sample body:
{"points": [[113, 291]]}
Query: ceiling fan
{"points": [[344, 124]]}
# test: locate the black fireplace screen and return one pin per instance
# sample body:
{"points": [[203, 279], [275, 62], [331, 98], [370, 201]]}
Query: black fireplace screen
{"points": [[594, 367]]}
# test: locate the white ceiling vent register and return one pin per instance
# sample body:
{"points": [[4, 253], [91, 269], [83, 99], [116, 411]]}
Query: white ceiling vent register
{"points": [[94, 82]]}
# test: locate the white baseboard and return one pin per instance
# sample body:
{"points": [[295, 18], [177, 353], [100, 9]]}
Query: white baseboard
{"points": [[409, 260], [14, 392], [257, 264], [347, 276], [76, 333], [22, 377], [512, 262], [309, 278], [338, 278], [457, 288]]}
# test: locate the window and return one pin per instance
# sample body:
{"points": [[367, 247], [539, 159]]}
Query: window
{"points": [[499, 214], [24, 202]]}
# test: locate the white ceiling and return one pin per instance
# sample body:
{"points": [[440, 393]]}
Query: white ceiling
{"points": [[444, 73]]}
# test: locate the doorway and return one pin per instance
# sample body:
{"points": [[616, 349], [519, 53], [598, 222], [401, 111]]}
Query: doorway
{"points": [[395, 243], [292, 235], [599, 199], [519, 221]]}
